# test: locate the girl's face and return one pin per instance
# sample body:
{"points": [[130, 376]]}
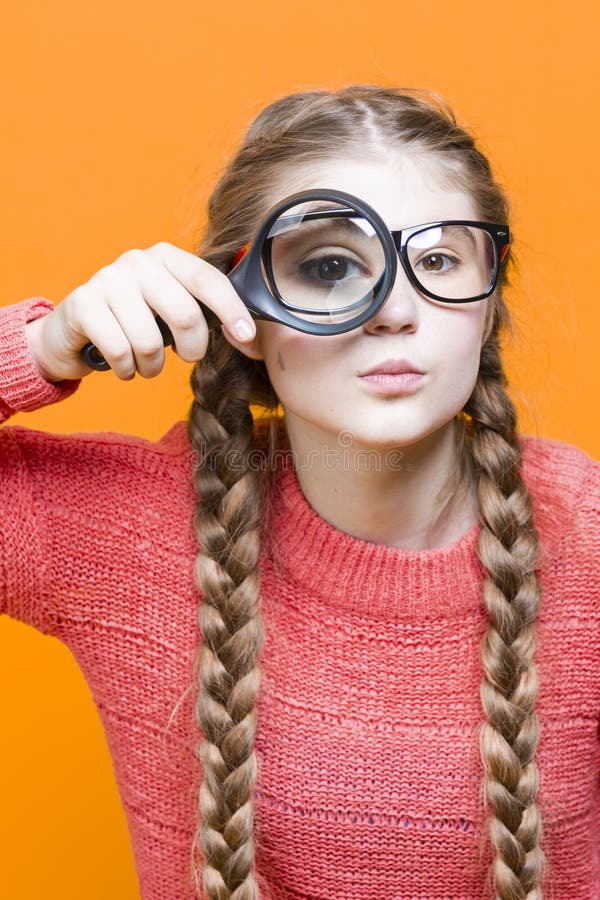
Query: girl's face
{"points": [[321, 380]]}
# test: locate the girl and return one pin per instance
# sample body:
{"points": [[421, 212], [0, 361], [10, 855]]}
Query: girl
{"points": [[391, 625]]}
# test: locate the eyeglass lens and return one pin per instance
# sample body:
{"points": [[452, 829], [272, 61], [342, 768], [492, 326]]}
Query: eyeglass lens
{"points": [[454, 262]]}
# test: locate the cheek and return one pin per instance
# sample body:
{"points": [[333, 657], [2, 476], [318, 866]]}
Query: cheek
{"points": [[290, 353], [458, 339], [278, 343], [292, 358], [461, 329]]}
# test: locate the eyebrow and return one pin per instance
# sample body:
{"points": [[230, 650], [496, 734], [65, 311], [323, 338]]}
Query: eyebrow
{"points": [[462, 229], [339, 218]]}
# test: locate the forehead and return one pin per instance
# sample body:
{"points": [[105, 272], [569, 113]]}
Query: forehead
{"points": [[404, 189]]}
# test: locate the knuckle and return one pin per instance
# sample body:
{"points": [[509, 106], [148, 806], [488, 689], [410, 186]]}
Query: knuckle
{"points": [[121, 357], [133, 257], [76, 298], [160, 247], [73, 308], [186, 320], [148, 350], [104, 277]]}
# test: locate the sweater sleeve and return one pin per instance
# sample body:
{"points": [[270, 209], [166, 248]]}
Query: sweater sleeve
{"points": [[587, 554], [587, 502], [22, 388]]}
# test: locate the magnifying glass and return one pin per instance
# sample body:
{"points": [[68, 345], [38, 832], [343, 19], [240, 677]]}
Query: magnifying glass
{"points": [[322, 262]]}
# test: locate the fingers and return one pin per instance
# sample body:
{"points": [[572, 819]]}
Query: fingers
{"points": [[143, 277], [203, 282], [87, 314], [122, 294], [117, 308]]}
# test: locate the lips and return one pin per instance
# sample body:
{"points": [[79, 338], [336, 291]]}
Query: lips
{"points": [[393, 367]]}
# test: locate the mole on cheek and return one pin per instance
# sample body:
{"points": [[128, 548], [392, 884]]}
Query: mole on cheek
{"points": [[280, 361]]}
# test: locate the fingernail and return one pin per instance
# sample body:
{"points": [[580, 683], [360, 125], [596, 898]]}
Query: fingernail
{"points": [[243, 330]]}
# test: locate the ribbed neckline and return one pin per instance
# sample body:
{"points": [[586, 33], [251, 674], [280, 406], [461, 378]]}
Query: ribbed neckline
{"points": [[363, 577], [346, 573]]}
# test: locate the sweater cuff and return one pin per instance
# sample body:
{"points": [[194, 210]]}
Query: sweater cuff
{"points": [[22, 387]]}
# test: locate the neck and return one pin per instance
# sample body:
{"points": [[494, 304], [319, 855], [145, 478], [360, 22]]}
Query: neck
{"points": [[411, 497]]}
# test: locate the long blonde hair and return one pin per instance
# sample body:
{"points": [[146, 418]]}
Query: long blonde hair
{"points": [[231, 500]]}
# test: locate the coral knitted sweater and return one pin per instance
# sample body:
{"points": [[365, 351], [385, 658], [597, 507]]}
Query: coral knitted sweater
{"points": [[369, 768]]}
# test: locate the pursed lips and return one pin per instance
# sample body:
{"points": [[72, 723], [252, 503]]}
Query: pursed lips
{"points": [[393, 367]]}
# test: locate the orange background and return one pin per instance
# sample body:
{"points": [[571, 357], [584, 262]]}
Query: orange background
{"points": [[117, 119]]}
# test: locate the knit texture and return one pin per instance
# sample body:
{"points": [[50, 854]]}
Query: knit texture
{"points": [[368, 742]]}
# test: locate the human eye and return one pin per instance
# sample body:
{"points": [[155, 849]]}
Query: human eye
{"points": [[437, 262], [327, 267]]}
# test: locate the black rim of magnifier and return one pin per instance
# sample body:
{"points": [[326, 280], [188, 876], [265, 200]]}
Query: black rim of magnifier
{"points": [[344, 212], [249, 281]]}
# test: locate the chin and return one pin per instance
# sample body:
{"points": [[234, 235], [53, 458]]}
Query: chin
{"points": [[380, 440], [383, 438]]}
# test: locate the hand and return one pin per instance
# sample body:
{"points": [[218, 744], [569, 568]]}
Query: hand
{"points": [[116, 308]]}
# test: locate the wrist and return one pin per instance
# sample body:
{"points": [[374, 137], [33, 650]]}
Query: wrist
{"points": [[23, 386], [33, 332]]}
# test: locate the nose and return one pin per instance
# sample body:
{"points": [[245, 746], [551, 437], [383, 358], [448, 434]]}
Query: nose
{"points": [[401, 309]]}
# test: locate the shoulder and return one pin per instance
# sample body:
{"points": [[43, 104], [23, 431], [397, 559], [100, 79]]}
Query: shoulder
{"points": [[564, 485], [95, 456], [557, 465]]}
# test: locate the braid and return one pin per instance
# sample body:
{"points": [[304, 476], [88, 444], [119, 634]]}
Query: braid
{"points": [[226, 524], [508, 549]]}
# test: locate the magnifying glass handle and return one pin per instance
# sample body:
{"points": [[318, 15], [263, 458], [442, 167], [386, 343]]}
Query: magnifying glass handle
{"points": [[94, 359]]}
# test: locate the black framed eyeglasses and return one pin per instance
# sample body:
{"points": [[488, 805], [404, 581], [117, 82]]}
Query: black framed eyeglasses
{"points": [[324, 262]]}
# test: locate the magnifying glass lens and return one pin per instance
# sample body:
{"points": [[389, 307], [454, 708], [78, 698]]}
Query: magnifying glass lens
{"points": [[323, 261]]}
